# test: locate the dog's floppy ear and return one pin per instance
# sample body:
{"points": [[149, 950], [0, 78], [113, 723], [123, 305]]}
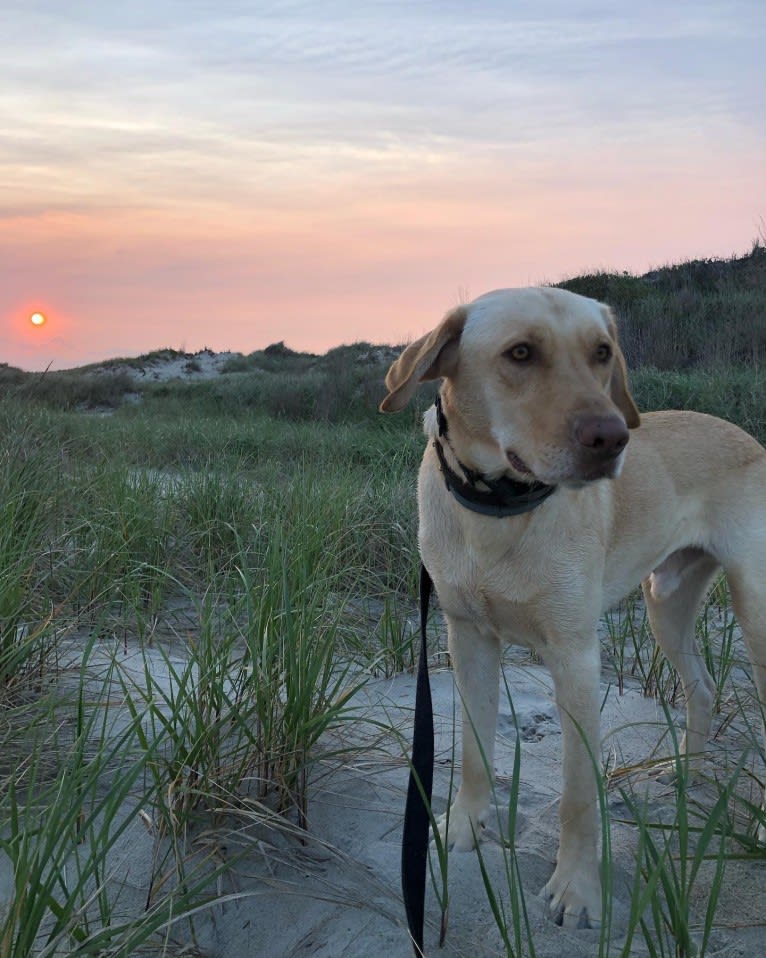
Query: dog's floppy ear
{"points": [[621, 396], [430, 357]]}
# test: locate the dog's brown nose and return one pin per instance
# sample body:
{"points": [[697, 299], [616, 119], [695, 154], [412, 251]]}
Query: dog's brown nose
{"points": [[605, 436]]}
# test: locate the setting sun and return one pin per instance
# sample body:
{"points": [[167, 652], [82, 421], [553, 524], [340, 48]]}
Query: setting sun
{"points": [[37, 319]]}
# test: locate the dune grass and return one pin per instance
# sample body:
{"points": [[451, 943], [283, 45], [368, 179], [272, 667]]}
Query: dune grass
{"points": [[202, 582]]}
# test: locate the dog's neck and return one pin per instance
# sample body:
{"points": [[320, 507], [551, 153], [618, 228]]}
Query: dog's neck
{"points": [[501, 497]]}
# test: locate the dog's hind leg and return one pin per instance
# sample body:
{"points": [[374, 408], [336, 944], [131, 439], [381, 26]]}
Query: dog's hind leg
{"points": [[749, 601], [673, 594]]}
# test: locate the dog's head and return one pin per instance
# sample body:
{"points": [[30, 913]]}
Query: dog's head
{"points": [[535, 385]]}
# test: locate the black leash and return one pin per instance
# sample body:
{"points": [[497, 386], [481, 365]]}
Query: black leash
{"points": [[503, 497], [417, 810]]}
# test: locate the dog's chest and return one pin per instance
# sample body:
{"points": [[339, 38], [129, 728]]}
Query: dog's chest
{"points": [[521, 579], [514, 622], [523, 600]]}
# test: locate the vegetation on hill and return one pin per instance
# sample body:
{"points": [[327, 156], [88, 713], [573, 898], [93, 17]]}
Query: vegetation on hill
{"points": [[694, 335], [702, 313], [67, 390]]}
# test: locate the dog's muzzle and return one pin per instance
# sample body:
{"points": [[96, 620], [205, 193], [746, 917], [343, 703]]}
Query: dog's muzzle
{"points": [[600, 440]]}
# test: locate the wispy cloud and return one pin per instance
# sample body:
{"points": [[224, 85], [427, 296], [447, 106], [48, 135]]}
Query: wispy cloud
{"points": [[172, 78]]}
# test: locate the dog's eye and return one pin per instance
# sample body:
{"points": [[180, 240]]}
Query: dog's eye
{"points": [[520, 353], [603, 353]]}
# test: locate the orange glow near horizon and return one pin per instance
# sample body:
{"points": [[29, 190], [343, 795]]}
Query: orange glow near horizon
{"points": [[350, 264]]}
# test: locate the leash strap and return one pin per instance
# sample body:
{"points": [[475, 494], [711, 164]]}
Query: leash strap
{"points": [[417, 811]]}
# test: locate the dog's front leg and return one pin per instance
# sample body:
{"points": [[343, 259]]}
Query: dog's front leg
{"points": [[574, 890], [476, 662]]}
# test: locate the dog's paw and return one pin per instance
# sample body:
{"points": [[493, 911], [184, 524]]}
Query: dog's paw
{"points": [[574, 898], [461, 828]]}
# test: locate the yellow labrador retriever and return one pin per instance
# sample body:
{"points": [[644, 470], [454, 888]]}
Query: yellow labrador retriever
{"points": [[535, 391]]}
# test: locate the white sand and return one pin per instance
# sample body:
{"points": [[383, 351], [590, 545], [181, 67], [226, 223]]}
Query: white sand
{"points": [[358, 810], [204, 364], [337, 895]]}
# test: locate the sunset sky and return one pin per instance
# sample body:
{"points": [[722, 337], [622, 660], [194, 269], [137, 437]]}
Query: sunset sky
{"points": [[193, 173]]}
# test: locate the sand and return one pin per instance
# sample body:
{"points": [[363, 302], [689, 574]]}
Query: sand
{"points": [[358, 810], [335, 893]]}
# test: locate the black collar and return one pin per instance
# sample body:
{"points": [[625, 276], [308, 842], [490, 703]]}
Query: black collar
{"points": [[502, 497]]}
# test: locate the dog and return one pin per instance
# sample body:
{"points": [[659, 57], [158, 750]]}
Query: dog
{"points": [[535, 397]]}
